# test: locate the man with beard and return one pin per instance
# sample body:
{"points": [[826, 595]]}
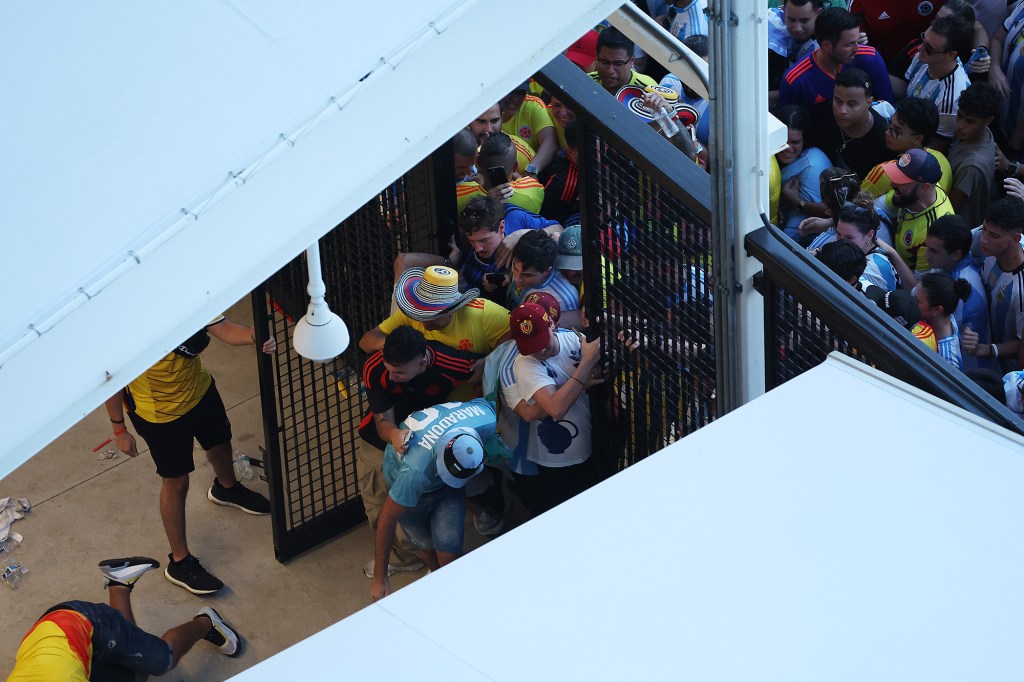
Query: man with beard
{"points": [[918, 202]]}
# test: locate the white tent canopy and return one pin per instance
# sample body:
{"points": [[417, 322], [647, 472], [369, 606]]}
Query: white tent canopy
{"points": [[773, 544], [162, 159]]}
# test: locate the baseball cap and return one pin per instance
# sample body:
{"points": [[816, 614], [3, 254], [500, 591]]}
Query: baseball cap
{"points": [[900, 305], [547, 302], [570, 249], [529, 326], [459, 456], [583, 52], [916, 165]]}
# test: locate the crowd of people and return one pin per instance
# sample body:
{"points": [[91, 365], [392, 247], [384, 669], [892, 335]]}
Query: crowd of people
{"points": [[902, 173]]}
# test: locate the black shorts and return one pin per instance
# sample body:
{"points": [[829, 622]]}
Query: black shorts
{"points": [[170, 443]]}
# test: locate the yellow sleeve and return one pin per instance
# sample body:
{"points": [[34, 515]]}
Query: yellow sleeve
{"points": [[538, 116], [495, 323], [397, 319], [774, 191]]}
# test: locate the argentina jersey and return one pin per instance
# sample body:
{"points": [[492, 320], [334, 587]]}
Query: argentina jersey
{"points": [[567, 295]]}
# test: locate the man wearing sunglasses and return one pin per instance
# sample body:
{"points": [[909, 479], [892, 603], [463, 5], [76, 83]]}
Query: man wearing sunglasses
{"points": [[936, 73]]}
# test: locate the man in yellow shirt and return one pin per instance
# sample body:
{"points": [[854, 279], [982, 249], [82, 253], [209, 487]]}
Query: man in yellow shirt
{"points": [[918, 202], [429, 300], [912, 126], [527, 116], [615, 62], [172, 404], [60, 644]]}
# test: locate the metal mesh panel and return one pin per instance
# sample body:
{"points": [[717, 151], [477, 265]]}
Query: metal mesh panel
{"points": [[650, 270], [316, 410], [802, 338]]}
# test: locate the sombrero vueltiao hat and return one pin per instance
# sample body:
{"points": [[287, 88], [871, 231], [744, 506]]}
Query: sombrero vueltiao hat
{"points": [[424, 294]]}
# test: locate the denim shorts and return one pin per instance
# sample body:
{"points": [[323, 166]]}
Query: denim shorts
{"points": [[117, 644], [438, 521]]}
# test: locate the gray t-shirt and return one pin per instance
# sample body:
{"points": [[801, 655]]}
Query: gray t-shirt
{"points": [[974, 169]]}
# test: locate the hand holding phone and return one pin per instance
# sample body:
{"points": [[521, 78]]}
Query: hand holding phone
{"points": [[496, 176]]}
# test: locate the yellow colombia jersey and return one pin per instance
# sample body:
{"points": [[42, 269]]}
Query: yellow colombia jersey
{"points": [[774, 190], [524, 153], [170, 388], [910, 229], [636, 79], [58, 647], [532, 117], [527, 193], [877, 183], [477, 328]]}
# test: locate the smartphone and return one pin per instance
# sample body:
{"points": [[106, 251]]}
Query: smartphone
{"points": [[495, 278], [496, 175]]}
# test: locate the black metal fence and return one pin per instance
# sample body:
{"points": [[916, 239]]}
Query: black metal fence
{"points": [[645, 211], [810, 313], [311, 410]]}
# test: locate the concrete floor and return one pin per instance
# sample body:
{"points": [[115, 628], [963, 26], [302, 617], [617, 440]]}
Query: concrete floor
{"points": [[85, 510]]}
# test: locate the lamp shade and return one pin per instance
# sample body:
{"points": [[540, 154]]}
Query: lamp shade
{"points": [[320, 335]]}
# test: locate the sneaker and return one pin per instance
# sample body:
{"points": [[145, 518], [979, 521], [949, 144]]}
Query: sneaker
{"points": [[240, 497], [126, 570], [221, 635], [191, 575], [414, 565]]}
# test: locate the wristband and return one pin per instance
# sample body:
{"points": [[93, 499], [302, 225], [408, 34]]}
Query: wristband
{"points": [[581, 383], [117, 421], [1013, 168], [995, 351], [118, 433], [531, 169]]}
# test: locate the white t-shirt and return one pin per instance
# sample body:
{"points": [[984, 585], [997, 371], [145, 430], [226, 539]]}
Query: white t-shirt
{"points": [[566, 441]]}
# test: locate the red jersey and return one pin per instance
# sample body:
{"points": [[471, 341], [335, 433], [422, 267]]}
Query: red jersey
{"points": [[891, 25]]}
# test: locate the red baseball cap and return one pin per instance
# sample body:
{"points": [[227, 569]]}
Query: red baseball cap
{"points": [[584, 51], [529, 326], [547, 302]]}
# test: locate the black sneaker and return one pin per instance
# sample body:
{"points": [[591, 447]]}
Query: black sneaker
{"points": [[191, 575], [240, 497], [221, 634]]}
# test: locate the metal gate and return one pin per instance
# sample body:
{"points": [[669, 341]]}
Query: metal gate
{"points": [[311, 410]]}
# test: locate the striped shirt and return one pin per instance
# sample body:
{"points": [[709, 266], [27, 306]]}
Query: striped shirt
{"points": [[557, 285], [943, 92], [949, 346], [1005, 301]]}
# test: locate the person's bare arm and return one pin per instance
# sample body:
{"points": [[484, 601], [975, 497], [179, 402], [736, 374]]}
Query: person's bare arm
{"points": [[996, 76], [372, 341], [908, 278], [387, 522], [556, 402], [123, 438], [235, 334], [404, 261], [528, 412], [389, 431], [546, 149]]}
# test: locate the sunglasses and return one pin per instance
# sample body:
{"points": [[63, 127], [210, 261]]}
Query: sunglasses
{"points": [[855, 209], [928, 49]]}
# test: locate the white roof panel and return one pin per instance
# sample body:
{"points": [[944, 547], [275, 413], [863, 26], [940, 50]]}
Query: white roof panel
{"points": [[124, 228]]}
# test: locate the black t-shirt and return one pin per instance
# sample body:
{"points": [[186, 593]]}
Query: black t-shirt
{"points": [[859, 154], [447, 369]]}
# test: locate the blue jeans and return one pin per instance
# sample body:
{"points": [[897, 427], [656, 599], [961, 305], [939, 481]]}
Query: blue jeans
{"points": [[438, 521], [117, 644]]}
